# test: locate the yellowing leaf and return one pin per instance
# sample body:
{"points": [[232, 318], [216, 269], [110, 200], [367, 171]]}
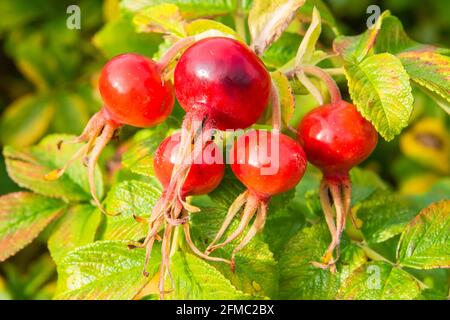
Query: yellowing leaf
{"points": [[287, 101], [429, 69], [428, 143], [23, 215], [308, 44], [203, 25], [268, 19], [26, 120], [162, 18], [28, 167]]}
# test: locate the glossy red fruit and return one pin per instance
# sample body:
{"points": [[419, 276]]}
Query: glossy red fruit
{"points": [[224, 80], [336, 138], [204, 176], [134, 92], [283, 154]]}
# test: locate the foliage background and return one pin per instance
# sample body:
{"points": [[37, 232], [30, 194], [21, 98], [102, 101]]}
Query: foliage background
{"points": [[47, 85]]}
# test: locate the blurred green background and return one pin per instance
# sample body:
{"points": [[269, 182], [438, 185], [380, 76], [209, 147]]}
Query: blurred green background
{"points": [[48, 85]]}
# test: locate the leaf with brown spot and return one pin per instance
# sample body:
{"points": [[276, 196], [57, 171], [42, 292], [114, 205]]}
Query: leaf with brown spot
{"points": [[428, 69]]}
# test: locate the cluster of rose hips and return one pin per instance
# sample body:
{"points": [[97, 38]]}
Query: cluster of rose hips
{"points": [[222, 84]]}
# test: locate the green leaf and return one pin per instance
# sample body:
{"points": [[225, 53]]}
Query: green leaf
{"points": [[268, 19], [379, 86], [282, 51], [75, 229], [366, 41], [308, 44], [26, 120], [19, 12], [191, 9], [228, 190], [27, 167], [104, 270], [139, 157], [256, 270], [49, 56], [119, 36], [128, 198], [428, 69], [425, 244], [203, 25], [392, 38], [326, 15], [283, 222], [197, 280], [163, 18], [384, 215], [379, 281], [364, 184], [72, 113], [286, 98], [300, 279], [23, 216]]}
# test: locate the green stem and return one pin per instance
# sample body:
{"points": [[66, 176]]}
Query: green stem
{"points": [[239, 20], [334, 71], [333, 89], [175, 244], [372, 254]]}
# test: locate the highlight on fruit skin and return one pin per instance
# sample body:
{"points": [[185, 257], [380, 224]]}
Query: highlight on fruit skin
{"points": [[134, 93], [336, 138], [267, 164], [205, 174]]}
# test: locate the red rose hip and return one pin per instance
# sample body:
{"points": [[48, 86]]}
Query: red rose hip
{"points": [[336, 138], [223, 80], [134, 92], [267, 164]]}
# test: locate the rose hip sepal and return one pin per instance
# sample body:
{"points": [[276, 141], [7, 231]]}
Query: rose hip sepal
{"points": [[336, 138], [205, 174], [267, 164]]}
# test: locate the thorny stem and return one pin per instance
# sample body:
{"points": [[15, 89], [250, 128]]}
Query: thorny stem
{"points": [[335, 94]]}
